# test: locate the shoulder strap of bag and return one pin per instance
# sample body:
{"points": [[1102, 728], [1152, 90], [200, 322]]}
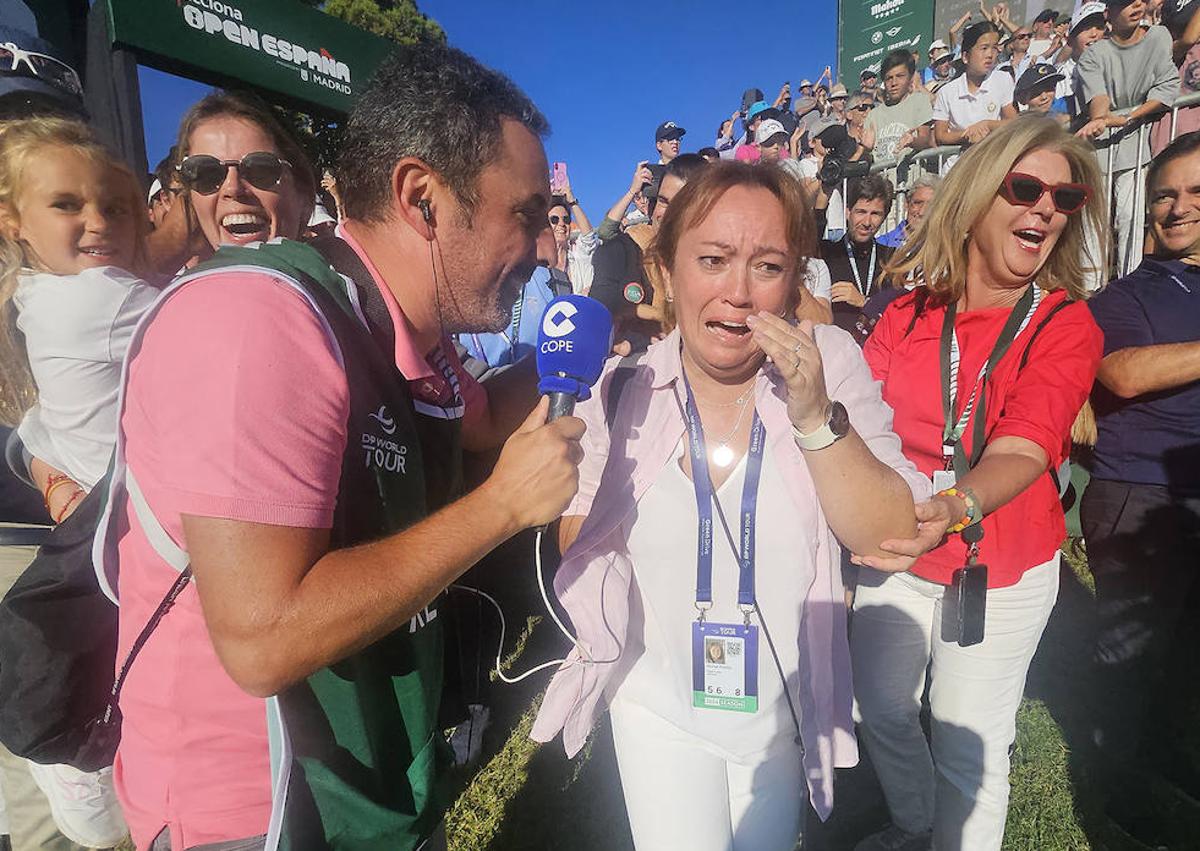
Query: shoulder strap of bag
{"points": [[172, 554], [620, 377]]}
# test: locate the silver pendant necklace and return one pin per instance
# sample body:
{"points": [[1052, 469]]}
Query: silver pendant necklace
{"points": [[723, 455]]}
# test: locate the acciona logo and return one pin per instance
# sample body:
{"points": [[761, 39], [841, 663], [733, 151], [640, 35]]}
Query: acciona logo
{"points": [[222, 20]]}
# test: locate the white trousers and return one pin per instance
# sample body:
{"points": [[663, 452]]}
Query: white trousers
{"points": [[1129, 231], [681, 797], [901, 628]]}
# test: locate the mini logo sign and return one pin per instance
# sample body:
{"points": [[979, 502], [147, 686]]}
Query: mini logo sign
{"points": [[380, 451], [385, 420], [557, 322]]}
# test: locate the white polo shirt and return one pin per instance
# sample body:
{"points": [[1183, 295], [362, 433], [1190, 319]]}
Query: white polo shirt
{"points": [[963, 108]]}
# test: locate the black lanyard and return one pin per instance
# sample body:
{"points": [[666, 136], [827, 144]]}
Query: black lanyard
{"points": [[1018, 318], [865, 290]]}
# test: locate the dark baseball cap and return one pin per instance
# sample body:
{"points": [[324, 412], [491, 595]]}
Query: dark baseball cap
{"points": [[668, 130], [1036, 78], [57, 84], [1046, 15]]}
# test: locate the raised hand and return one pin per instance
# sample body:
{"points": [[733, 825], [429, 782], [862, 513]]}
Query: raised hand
{"points": [[537, 473], [798, 360]]}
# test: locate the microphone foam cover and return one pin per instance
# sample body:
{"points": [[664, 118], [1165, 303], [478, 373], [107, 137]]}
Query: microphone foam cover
{"points": [[574, 340]]}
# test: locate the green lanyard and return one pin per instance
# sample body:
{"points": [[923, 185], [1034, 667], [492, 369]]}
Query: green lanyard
{"points": [[976, 406]]}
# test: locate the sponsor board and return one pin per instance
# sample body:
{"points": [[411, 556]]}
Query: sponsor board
{"points": [[280, 46]]}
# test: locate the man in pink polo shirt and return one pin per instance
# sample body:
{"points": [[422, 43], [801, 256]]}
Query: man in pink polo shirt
{"points": [[300, 438]]}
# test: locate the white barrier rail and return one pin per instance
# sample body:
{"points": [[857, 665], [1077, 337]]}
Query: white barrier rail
{"points": [[905, 171]]}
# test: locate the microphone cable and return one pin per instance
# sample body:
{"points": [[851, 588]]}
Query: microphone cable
{"points": [[537, 552]]}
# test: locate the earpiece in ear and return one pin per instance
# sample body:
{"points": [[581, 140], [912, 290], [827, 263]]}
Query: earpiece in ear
{"points": [[423, 205]]}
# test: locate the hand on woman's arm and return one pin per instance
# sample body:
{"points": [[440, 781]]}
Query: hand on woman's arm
{"points": [[1009, 465], [864, 500]]}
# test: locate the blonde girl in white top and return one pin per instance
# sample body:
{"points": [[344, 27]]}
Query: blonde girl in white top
{"points": [[72, 229]]}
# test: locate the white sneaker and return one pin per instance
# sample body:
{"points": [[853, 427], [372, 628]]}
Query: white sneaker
{"points": [[83, 803], [896, 839]]}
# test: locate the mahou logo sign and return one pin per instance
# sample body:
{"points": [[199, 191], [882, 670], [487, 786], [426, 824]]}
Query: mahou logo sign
{"points": [[223, 20]]}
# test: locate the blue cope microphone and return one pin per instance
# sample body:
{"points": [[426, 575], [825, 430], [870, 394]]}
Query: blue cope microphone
{"points": [[574, 340]]}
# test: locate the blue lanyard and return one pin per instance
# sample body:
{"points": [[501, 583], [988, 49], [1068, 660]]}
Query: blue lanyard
{"points": [[705, 497]]}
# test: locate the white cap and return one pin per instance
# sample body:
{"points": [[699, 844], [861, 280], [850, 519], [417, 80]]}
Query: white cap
{"points": [[1086, 10], [938, 44], [155, 188], [767, 129]]}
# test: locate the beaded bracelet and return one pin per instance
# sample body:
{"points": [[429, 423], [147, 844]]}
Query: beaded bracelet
{"points": [[63, 511], [970, 504]]}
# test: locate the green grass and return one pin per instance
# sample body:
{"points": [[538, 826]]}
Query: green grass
{"points": [[528, 796]]}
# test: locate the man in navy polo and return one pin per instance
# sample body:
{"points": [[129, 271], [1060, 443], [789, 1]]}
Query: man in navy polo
{"points": [[1141, 511]]}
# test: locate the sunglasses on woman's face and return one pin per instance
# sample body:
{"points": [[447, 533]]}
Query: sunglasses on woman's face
{"points": [[862, 107], [204, 174], [1025, 190], [555, 220]]}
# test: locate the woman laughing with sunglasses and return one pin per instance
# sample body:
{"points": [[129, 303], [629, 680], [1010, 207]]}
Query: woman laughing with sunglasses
{"points": [[986, 367], [247, 179]]}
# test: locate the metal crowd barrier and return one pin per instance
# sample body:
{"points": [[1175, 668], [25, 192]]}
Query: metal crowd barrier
{"points": [[905, 171]]}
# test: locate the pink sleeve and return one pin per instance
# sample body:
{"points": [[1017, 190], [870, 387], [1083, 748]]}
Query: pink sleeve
{"points": [[595, 443], [237, 404]]}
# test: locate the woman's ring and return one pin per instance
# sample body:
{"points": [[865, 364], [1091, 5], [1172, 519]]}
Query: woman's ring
{"points": [[796, 349]]}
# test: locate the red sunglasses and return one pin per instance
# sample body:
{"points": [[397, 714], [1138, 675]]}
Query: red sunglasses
{"points": [[1025, 190]]}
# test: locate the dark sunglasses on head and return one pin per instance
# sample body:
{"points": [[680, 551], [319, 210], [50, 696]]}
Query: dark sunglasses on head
{"points": [[204, 173], [39, 65], [1020, 36], [1025, 190], [555, 220]]}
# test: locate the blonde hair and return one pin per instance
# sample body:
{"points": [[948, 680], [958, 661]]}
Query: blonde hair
{"points": [[935, 252], [20, 141]]}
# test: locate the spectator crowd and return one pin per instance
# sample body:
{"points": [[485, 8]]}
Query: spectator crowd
{"points": [[265, 412]]}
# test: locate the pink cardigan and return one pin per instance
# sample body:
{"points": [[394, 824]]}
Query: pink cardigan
{"points": [[593, 582]]}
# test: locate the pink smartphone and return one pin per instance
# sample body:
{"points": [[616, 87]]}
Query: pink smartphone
{"points": [[558, 178]]}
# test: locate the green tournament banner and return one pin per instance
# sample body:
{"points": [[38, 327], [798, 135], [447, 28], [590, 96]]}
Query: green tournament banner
{"points": [[869, 29], [279, 46]]}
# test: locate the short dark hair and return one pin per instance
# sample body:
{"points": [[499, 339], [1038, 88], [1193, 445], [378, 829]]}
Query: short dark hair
{"points": [[435, 103], [870, 187], [897, 58], [709, 152], [1185, 145], [164, 172], [248, 107], [686, 166], [560, 201]]}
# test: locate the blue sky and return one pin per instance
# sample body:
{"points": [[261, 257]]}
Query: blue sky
{"points": [[606, 74]]}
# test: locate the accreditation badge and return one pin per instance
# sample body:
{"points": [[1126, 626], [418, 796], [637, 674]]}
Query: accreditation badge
{"points": [[943, 480], [725, 666]]}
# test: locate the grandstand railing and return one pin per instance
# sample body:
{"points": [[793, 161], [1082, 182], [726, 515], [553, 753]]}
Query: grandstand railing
{"points": [[905, 171]]}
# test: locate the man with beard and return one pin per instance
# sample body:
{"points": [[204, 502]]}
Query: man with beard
{"points": [[300, 433], [856, 261]]}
